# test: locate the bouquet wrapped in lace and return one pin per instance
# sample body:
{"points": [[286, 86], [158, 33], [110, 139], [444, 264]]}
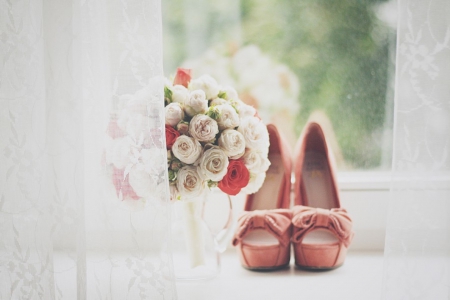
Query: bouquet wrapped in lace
{"points": [[134, 146], [213, 139]]}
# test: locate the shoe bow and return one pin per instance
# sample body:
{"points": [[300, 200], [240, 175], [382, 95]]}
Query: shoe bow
{"points": [[275, 221], [336, 220]]}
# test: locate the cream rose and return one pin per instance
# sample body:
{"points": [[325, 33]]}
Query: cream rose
{"points": [[180, 94], [213, 164], [230, 93], [174, 114], [228, 117], [255, 183], [256, 161], [151, 159], [207, 84], [255, 134], [196, 103], [167, 83], [218, 101], [118, 152], [143, 184], [203, 128], [136, 125], [233, 143], [244, 109], [189, 183], [186, 149]]}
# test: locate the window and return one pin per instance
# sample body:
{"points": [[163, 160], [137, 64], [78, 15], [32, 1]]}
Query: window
{"points": [[296, 60]]}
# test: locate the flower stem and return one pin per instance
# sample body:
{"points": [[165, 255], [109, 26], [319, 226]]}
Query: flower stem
{"points": [[193, 234]]}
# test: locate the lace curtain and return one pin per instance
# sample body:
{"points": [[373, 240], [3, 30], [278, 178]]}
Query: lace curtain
{"points": [[81, 110], [417, 252]]}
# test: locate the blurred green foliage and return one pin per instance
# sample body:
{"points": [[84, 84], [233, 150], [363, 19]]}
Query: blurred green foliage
{"points": [[339, 51]]}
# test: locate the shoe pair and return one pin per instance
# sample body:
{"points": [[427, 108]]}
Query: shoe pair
{"points": [[318, 228]]}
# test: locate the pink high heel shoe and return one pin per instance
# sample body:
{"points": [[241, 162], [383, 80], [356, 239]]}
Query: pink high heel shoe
{"points": [[264, 229], [322, 230]]}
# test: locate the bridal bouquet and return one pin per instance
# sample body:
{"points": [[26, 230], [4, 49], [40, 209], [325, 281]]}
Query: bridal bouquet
{"points": [[213, 139]]}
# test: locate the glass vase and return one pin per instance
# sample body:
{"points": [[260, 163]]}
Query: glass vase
{"points": [[196, 249]]}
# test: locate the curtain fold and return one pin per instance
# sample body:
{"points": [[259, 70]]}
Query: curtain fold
{"points": [[68, 70], [417, 250]]}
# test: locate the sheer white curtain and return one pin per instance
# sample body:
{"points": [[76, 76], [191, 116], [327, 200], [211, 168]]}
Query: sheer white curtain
{"points": [[417, 252], [69, 228]]}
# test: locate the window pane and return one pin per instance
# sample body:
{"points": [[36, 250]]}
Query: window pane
{"points": [[330, 61]]}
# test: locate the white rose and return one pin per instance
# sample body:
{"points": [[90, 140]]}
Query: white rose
{"points": [[151, 160], [218, 101], [233, 143], [174, 114], [230, 93], [150, 93], [207, 84], [189, 183], [133, 123], [186, 149], [139, 101], [143, 184], [255, 183], [118, 152], [167, 83], [203, 128], [256, 161], [255, 134], [228, 117], [180, 94], [196, 103], [244, 109], [213, 164]]}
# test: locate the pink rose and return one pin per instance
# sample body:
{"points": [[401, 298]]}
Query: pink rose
{"points": [[183, 77]]}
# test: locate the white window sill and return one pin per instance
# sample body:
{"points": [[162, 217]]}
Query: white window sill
{"points": [[359, 278], [364, 180]]}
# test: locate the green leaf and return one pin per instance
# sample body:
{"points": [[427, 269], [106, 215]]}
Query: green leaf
{"points": [[233, 104], [167, 94], [213, 113], [212, 184], [222, 95], [172, 175]]}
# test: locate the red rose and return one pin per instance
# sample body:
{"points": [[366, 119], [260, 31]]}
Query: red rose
{"points": [[236, 178], [171, 136], [183, 77]]}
